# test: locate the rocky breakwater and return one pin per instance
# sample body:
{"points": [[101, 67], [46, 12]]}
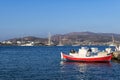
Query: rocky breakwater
{"points": [[116, 55]]}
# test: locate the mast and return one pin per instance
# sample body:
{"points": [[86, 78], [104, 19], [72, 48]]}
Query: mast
{"points": [[60, 42], [49, 39], [113, 40]]}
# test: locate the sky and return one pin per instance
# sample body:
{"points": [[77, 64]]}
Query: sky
{"points": [[19, 18]]}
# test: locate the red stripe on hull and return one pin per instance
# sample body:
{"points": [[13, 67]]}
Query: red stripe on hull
{"points": [[89, 59]]}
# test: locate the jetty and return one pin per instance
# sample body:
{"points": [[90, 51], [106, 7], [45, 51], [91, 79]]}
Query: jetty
{"points": [[116, 53]]}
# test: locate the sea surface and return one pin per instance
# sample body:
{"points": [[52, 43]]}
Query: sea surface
{"points": [[44, 63]]}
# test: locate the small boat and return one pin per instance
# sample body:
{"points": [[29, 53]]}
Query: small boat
{"points": [[88, 55]]}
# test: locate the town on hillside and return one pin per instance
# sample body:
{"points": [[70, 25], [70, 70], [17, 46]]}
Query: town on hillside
{"points": [[71, 39]]}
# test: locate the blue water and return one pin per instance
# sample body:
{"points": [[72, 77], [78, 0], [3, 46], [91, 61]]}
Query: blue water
{"points": [[43, 63]]}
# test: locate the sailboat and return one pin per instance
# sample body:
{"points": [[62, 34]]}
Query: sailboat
{"points": [[60, 42], [50, 43]]}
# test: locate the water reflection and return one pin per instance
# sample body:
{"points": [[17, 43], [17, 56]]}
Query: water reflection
{"points": [[83, 66], [83, 70]]}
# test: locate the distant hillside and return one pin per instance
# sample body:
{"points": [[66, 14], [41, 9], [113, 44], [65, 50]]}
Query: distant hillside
{"points": [[74, 36], [89, 36], [28, 38]]}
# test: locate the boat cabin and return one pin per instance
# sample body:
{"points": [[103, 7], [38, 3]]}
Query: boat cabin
{"points": [[84, 52]]}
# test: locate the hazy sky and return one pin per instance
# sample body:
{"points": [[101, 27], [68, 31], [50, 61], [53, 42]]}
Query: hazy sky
{"points": [[20, 18]]}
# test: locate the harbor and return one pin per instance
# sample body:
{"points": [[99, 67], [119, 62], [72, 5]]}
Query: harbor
{"points": [[44, 63], [59, 39]]}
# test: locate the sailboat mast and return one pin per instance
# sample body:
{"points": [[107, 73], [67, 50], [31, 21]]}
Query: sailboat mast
{"points": [[49, 39], [113, 40]]}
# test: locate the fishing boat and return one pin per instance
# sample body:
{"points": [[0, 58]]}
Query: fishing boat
{"points": [[88, 55]]}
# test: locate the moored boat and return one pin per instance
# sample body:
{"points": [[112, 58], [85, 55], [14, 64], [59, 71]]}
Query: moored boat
{"points": [[88, 55]]}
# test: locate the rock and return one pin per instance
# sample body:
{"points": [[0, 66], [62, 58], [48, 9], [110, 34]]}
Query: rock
{"points": [[116, 55]]}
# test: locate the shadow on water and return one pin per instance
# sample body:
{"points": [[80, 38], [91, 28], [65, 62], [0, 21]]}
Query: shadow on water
{"points": [[116, 61], [65, 63]]}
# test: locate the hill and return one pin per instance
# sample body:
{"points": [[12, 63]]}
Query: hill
{"points": [[88, 37], [73, 38]]}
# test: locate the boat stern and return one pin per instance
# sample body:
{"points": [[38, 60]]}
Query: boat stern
{"points": [[61, 56]]}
